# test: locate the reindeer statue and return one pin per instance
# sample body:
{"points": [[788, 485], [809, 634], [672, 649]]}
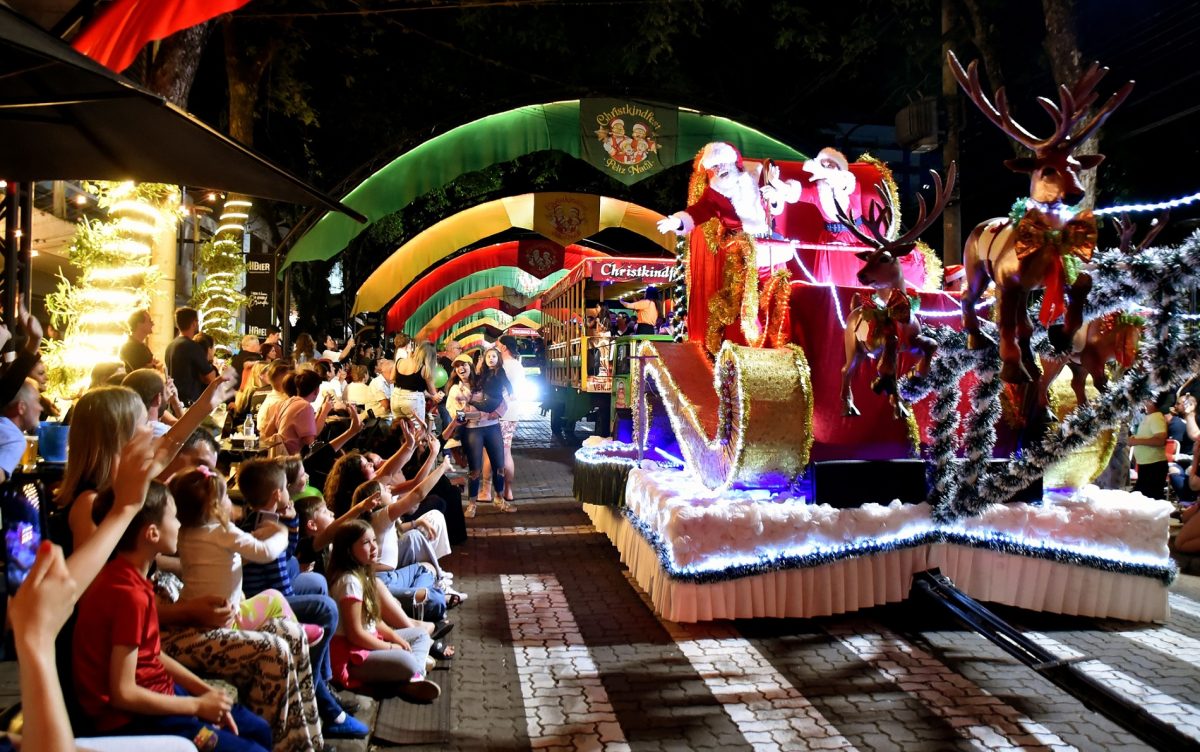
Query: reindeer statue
{"points": [[1111, 337], [1037, 247], [882, 327]]}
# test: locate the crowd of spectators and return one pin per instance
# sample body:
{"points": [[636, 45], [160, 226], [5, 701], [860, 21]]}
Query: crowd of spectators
{"points": [[276, 524]]}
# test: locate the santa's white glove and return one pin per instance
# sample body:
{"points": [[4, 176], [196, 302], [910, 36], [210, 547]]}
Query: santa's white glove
{"points": [[670, 224]]}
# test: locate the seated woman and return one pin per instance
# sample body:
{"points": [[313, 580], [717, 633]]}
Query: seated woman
{"points": [[299, 426]]}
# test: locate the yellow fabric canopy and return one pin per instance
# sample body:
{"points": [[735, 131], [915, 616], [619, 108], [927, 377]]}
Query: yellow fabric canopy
{"points": [[470, 226]]}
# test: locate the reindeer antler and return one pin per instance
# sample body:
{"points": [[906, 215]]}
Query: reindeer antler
{"points": [[876, 219], [1071, 109], [1126, 230], [878, 216]]}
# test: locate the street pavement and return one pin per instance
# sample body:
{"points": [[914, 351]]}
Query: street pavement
{"points": [[560, 651]]}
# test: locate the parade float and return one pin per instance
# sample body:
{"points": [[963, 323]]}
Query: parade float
{"points": [[830, 422]]}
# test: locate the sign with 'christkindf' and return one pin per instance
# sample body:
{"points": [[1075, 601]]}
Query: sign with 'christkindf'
{"points": [[260, 293], [627, 139], [621, 271]]}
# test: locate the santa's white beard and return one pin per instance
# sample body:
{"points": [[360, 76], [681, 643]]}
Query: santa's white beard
{"points": [[742, 191], [837, 187]]}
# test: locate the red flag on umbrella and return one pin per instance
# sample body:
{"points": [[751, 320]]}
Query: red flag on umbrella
{"points": [[124, 27]]}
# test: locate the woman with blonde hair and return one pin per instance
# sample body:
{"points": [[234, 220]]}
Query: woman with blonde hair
{"points": [[102, 422], [305, 349], [414, 391]]}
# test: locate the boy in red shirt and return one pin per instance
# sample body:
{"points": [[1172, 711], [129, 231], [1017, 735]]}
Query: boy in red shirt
{"points": [[125, 684]]}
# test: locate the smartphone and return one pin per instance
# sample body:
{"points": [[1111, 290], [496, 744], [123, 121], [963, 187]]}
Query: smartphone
{"points": [[21, 545], [265, 516]]}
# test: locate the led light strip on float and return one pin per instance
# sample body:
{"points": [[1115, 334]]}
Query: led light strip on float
{"points": [[837, 303], [725, 567], [1137, 208]]}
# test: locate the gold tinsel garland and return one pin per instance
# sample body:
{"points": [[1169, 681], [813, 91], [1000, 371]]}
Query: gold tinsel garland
{"points": [[775, 305], [759, 393], [933, 266]]}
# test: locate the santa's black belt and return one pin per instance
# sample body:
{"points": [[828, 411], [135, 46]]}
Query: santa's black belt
{"points": [[836, 227]]}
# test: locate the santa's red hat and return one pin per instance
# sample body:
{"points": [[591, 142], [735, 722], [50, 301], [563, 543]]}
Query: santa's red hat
{"points": [[955, 272]]}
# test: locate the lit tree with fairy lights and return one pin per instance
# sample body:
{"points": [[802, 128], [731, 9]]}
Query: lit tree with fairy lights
{"points": [[116, 277], [218, 297]]}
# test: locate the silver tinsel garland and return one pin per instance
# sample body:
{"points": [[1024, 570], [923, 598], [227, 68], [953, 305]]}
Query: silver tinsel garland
{"points": [[1156, 276]]}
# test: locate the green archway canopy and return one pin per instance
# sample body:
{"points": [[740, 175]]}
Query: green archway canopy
{"points": [[576, 127], [497, 319], [491, 297], [472, 284]]}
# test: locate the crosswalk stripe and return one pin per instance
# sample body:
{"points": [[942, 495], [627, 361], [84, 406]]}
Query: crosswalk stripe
{"points": [[507, 532], [766, 708], [1184, 605], [1181, 715], [565, 700], [983, 719]]}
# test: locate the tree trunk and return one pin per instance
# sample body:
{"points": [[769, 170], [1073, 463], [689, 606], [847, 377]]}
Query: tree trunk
{"points": [[245, 65], [952, 216], [983, 36], [1066, 63], [172, 71]]}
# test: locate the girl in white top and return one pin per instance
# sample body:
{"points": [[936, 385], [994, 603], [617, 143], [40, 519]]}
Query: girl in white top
{"points": [[366, 651], [211, 549]]}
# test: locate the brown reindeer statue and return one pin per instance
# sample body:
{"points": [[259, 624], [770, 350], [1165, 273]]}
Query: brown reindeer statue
{"points": [[882, 326], [1040, 246], [1113, 337]]}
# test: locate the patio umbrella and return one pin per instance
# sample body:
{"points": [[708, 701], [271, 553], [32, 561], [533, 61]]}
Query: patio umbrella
{"points": [[64, 117]]}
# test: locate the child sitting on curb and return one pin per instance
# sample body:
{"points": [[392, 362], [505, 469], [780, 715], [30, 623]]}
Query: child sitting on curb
{"points": [[263, 483], [124, 682]]}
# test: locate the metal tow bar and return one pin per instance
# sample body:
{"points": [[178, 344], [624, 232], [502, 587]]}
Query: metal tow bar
{"points": [[1126, 713]]}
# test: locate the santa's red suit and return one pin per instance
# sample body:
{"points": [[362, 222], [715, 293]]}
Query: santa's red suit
{"points": [[706, 270]]}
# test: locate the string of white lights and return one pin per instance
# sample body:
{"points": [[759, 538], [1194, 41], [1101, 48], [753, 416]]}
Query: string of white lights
{"points": [[1137, 208], [837, 303]]}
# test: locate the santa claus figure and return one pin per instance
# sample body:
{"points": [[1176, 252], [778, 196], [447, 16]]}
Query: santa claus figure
{"points": [[731, 204], [616, 143], [830, 185]]}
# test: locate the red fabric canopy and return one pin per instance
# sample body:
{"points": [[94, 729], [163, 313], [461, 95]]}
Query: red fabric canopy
{"points": [[490, 257], [124, 27]]}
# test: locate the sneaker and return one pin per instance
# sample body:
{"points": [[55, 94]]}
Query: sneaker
{"points": [[350, 704], [420, 691], [313, 632], [350, 728]]}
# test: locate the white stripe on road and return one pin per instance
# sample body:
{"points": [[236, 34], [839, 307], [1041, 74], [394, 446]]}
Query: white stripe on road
{"points": [[984, 720], [565, 701], [506, 532], [1181, 715], [766, 708], [1184, 605]]}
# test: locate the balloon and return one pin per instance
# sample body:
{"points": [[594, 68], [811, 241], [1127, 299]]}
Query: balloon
{"points": [[440, 377]]}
